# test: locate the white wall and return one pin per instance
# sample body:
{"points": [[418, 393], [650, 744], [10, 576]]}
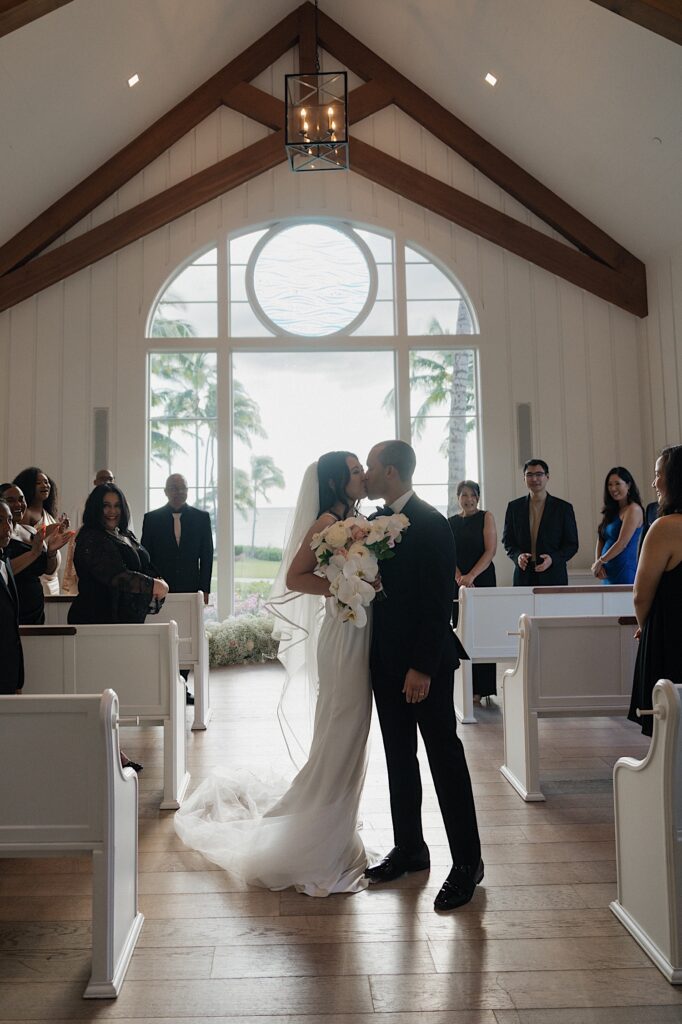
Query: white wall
{"points": [[80, 344], [661, 357]]}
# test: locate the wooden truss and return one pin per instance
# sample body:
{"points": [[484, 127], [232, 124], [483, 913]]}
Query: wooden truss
{"points": [[597, 263], [661, 16]]}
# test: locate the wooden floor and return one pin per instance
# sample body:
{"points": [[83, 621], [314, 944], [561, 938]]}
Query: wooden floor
{"points": [[537, 945]]}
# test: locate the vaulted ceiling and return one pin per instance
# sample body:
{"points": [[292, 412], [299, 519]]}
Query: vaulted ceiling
{"points": [[586, 101]]}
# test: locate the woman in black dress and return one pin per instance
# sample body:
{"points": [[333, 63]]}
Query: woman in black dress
{"points": [[658, 591], [475, 536], [116, 580], [32, 553]]}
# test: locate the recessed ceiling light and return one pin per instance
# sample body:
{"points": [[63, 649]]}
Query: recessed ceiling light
{"points": [[490, 79], [133, 81]]}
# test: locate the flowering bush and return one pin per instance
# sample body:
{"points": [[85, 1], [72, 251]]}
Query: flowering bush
{"points": [[247, 638], [348, 555]]}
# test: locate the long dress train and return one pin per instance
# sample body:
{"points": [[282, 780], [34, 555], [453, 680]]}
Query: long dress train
{"points": [[308, 838]]}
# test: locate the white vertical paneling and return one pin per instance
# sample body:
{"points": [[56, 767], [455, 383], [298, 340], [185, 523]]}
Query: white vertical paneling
{"points": [[629, 414], [600, 385], [570, 468], [548, 424], [128, 421], [49, 383], [20, 408], [76, 404]]}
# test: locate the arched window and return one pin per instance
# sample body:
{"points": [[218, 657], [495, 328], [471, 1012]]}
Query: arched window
{"points": [[295, 338]]}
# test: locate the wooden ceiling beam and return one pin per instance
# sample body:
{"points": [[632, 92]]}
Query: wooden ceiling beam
{"points": [[626, 289], [15, 14], [153, 213], [464, 140], [661, 16], [154, 141], [267, 110]]}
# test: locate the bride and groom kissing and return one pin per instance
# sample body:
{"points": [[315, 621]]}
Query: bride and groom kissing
{"points": [[307, 835]]}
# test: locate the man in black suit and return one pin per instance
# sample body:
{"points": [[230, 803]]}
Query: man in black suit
{"points": [[413, 658], [179, 540], [650, 517], [11, 654], [540, 534]]}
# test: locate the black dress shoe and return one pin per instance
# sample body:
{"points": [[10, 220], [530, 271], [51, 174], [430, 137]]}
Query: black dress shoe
{"points": [[458, 887], [134, 765], [398, 863], [189, 697]]}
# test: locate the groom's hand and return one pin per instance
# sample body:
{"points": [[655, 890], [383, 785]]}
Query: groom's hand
{"points": [[417, 686]]}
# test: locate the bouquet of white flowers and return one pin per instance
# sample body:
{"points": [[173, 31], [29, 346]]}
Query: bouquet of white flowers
{"points": [[348, 555]]}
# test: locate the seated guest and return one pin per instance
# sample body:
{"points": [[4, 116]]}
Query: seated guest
{"points": [[540, 534], [619, 530], [475, 536], [658, 591], [11, 654], [31, 556], [41, 500], [116, 580]]}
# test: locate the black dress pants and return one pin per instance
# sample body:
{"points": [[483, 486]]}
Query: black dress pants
{"points": [[435, 719]]}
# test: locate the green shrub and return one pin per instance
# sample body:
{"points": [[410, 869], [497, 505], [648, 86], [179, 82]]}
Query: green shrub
{"points": [[262, 554], [245, 588], [236, 641]]}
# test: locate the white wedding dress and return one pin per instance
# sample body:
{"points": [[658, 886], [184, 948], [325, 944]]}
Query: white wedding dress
{"points": [[309, 837]]}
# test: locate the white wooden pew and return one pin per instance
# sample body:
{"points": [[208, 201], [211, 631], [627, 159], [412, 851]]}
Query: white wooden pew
{"points": [[567, 666], [139, 662], [488, 623], [648, 804], [56, 805], [187, 610]]}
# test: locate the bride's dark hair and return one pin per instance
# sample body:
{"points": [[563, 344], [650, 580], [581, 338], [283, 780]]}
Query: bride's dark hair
{"points": [[333, 476]]}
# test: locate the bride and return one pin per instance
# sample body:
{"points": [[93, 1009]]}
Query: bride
{"points": [[308, 838]]}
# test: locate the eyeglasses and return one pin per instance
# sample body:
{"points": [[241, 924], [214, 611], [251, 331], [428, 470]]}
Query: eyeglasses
{"points": [[529, 476]]}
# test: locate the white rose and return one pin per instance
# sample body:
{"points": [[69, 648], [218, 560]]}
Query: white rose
{"points": [[336, 535]]}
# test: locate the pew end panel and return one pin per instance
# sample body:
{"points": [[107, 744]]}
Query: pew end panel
{"points": [[648, 815], [187, 610], [89, 804], [567, 666]]}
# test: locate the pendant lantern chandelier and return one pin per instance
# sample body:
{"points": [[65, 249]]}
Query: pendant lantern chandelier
{"points": [[316, 126]]}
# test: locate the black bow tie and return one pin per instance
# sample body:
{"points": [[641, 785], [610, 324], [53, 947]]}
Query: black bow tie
{"points": [[384, 510]]}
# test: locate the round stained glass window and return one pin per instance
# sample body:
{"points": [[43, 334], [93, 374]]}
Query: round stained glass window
{"points": [[311, 280]]}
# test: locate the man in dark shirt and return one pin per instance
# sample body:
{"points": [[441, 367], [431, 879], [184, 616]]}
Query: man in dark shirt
{"points": [[179, 540], [540, 534]]}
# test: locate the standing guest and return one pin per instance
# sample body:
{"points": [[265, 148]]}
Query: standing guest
{"points": [[41, 500], [69, 577], [31, 556], [475, 536], [179, 540], [116, 578], [11, 654], [117, 582], [620, 529], [540, 535], [658, 591]]}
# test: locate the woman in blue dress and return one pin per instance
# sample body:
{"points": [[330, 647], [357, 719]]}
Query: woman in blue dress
{"points": [[619, 530]]}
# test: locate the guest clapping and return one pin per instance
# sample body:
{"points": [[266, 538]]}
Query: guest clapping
{"points": [[11, 654], [619, 530], [116, 580], [475, 536], [32, 555], [41, 500], [658, 590]]}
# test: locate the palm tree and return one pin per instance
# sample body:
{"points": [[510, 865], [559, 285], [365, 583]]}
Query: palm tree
{"points": [[446, 377], [264, 476]]}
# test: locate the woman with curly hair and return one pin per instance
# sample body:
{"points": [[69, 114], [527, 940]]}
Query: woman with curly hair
{"points": [[40, 493]]}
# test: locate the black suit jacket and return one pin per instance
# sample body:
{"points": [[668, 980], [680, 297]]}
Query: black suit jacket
{"points": [[186, 568], [650, 516], [411, 627], [557, 537], [11, 654]]}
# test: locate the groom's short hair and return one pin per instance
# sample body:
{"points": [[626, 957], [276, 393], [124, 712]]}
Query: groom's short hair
{"points": [[401, 456]]}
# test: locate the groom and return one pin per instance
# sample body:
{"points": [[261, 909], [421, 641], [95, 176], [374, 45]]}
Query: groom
{"points": [[413, 658]]}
